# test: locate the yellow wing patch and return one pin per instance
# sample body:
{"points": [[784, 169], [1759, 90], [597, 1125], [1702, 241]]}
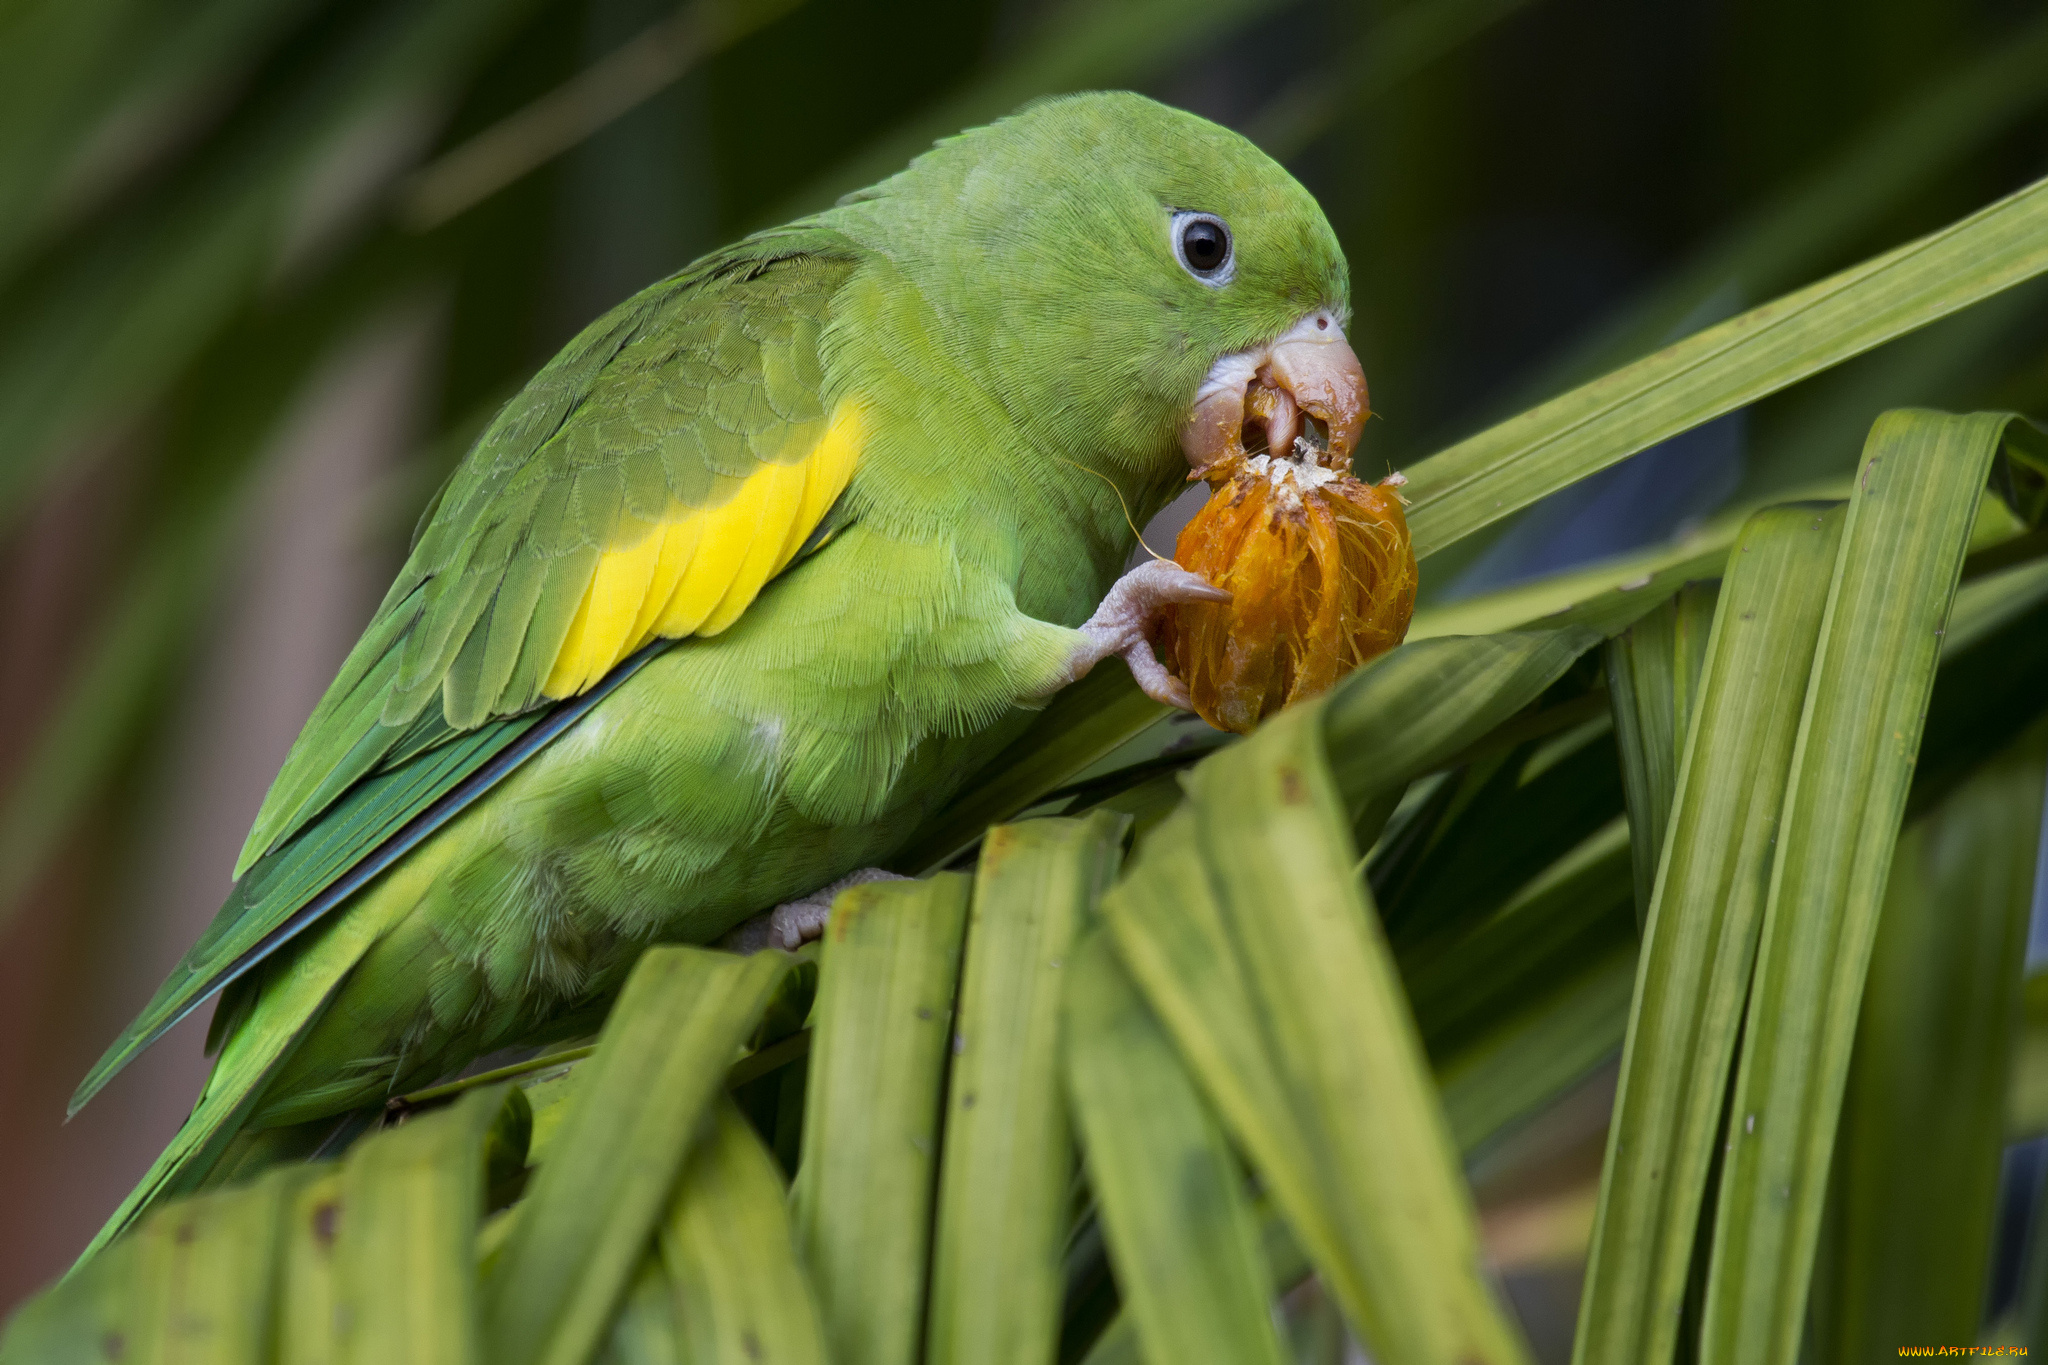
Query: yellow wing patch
{"points": [[696, 570]]}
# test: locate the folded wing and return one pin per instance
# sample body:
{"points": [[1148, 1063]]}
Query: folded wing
{"points": [[646, 486]]}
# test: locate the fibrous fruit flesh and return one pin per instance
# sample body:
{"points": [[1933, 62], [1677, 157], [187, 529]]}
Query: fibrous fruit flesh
{"points": [[1322, 577]]}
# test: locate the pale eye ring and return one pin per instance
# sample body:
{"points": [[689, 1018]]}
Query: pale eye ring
{"points": [[1203, 246]]}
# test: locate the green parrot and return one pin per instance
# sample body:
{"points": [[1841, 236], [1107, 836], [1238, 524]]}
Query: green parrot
{"points": [[745, 583]]}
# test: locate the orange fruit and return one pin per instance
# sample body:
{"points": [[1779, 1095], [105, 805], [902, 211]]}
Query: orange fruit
{"points": [[1322, 574]]}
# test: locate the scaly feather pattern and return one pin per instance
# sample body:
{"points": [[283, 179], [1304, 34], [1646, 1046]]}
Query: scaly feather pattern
{"points": [[687, 432], [645, 485]]}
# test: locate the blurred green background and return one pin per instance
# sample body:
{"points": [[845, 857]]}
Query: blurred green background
{"points": [[267, 265]]}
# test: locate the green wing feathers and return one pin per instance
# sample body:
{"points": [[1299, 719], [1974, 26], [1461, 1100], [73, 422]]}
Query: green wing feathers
{"points": [[277, 1019], [283, 883], [672, 401], [676, 436]]}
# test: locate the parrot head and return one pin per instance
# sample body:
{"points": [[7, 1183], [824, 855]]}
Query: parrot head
{"points": [[1135, 285]]}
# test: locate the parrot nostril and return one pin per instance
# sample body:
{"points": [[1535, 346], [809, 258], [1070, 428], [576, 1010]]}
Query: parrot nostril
{"points": [[1322, 324]]}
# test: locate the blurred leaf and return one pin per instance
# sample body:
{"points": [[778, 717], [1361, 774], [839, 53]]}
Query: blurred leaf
{"points": [[1993, 681], [644, 1332], [1653, 675], [1490, 475], [1902, 551], [96, 329], [1245, 925], [871, 1111], [1565, 918], [615, 84], [2027, 1101], [1076, 45], [69, 1322], [1908, 1244], [1180, 1230], [1701, 934], [1414, 709], [1118, 1344], [205, 1280], [1524, 1005], [1401, 44], [1986, 607], [1008, 1160], [100, 711], [2020, 474], [1825, 211], [155, 613], [1524, 1063], [1545, 797], [405, 1251], [196, 1282], [1611, 594], [1815, 431], [308, 1319], [663, 1055], [740, 1296], [91, 95]]}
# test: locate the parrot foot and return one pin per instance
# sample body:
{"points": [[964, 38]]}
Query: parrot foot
{"points": [[792, 924], [1128, 618]]}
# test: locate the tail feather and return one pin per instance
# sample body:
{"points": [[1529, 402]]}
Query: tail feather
{"points": [[287, 1006], [255, 1150]]}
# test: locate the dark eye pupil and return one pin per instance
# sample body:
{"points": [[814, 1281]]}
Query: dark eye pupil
{"points": [[1204, 245]]}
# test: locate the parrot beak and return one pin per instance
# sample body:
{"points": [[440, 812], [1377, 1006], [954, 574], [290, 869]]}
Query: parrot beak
{"points": [[1307, 387]]}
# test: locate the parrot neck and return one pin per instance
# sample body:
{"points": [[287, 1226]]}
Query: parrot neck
{"points": [[1076, 511], [1043, 485]]}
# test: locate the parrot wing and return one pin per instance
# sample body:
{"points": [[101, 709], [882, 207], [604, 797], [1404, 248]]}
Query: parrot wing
{"points": [[645, 485], [642, 488]]}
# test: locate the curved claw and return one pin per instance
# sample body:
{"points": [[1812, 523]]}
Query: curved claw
{"points": [[1154, 679], [1128, 618]]}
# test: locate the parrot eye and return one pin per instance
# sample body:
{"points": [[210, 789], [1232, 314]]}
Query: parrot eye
{"points": [[1202, 242]]}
